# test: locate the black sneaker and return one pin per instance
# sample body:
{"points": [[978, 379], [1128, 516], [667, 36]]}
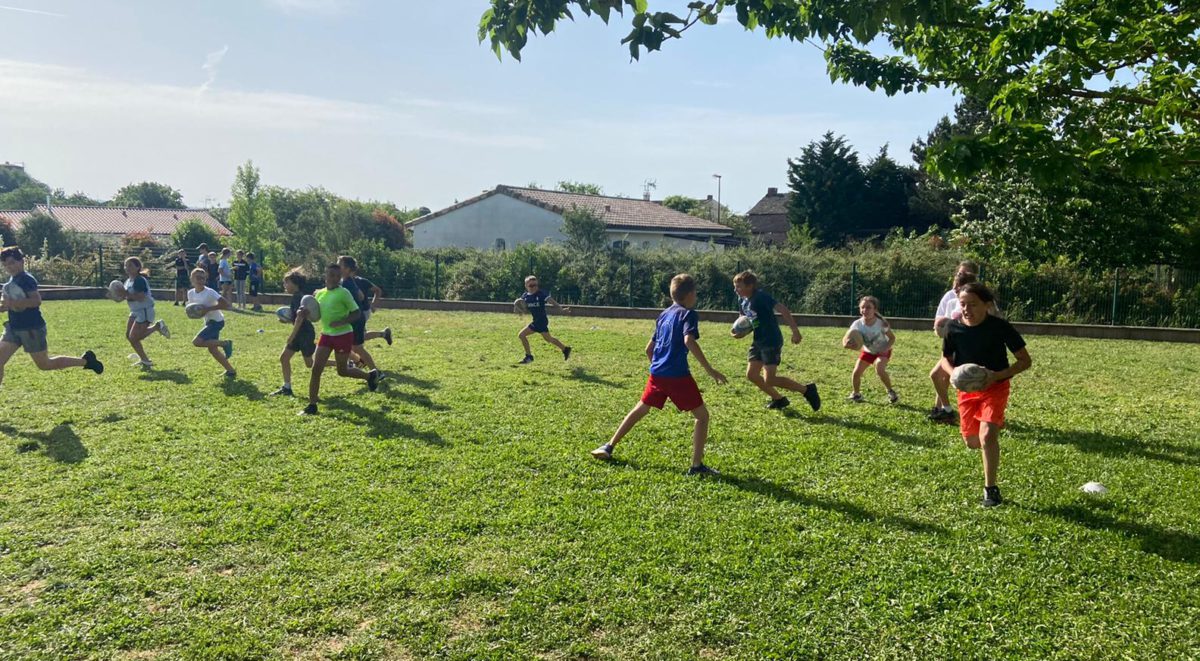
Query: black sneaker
{"points": [[893, 397], [991, 496], [283, 392], [90, 362], [228, 347], [603, 452], [373, 380], [387, 335], [526, 360], [941, 415], [812, 396], [702, 471], [780, 403], [566, 353], [311, 409]]}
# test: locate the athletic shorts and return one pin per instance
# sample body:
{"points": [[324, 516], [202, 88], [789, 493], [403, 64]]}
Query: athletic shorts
{"points": [[681, 390], [359, 331], [339, 343], [540, 326], [255, 285], [765, 355], [305, 343], [182, 280], [32, 340], [143, 315], [211, 331], [226, 282], [870, 358], [987, 405]]}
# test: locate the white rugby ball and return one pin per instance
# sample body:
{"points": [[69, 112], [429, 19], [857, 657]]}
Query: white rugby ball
{"points": [[969, 377], [942, 327], [12, 291], [194, 310], [312, 307], [520, 306], [285, 314], [116, 290], [1094, 487], [852, 340], [742, 324]]}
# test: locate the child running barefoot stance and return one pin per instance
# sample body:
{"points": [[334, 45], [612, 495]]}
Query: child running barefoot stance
{"points": [[766, 349], [676, 333], [303, 338], [535, 301], [984, 339], [141, 323], [209, 337], [878, 340]]}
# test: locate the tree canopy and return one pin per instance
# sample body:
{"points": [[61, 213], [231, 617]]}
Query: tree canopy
{"points": [[148, 195]]}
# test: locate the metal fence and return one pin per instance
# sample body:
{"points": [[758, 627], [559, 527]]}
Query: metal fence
{"points": [[1159, 296]]}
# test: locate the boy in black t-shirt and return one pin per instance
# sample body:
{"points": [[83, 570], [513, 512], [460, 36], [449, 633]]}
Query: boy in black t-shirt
{"points": [[766, 349], [303, 338]]}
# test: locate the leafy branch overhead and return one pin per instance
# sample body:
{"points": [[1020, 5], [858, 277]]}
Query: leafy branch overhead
{"points": [[1108, 84]]}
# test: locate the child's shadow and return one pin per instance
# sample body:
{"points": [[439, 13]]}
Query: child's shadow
{"points": [[580, 373], [380, 425], [174, 376], [1170, 544], [61, 444], [417, 399], [238, 388], [1109, 445], [409, 380], [879, 430]]}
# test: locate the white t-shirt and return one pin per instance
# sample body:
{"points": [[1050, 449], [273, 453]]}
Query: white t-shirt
{"points": [[949, 307], [206, 298], [875, 339]]}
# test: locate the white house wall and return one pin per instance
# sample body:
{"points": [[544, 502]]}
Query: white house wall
{"points": [[653, 240], [479, 225]]}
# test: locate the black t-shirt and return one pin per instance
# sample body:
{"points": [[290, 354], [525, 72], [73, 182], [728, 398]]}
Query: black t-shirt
{"points": [[366, 287], [241, 268], [984, 344], [180, 266], [760, 308], [306, 327]]}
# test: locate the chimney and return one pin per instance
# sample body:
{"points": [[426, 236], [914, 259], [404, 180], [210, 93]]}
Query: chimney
{"points": [[646, 195], [772, 191], [608, 207], [710, 198]]}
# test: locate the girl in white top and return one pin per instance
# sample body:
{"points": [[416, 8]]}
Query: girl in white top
{"points": [[209, 337], [878, 339], [141, 323]]}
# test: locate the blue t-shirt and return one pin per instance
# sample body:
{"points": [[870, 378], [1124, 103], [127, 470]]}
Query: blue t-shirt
{"points": [[670, 353], [760, 309], [536, 303], [23, 285]]}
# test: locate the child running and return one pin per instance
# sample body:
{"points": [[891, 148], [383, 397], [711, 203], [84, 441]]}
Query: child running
{"points": [[303, 338], [766, 349], [947, 311], [878, 340], [209, 337], [982, 338], [25, 328], [141, 324], [676, 333], [338, 311], [358, 288], [535, 301]]}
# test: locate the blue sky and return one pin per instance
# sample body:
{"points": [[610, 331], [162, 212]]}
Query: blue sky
{"points": [[398, 101]]}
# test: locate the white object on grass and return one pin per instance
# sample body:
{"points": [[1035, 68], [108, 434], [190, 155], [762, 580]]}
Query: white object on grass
{"points": [[1094, 487]]}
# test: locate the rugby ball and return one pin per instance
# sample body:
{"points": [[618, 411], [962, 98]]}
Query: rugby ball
{"points": [[969, 377], [1094, 488], [116, 290], [519, 306], [942, 327], [194, 310], [742, 325], [285, 315], [312, 307], [13, 291], [853, 340]]}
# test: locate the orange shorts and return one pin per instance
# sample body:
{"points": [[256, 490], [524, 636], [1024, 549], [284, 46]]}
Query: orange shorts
{"points": [[987, 405]]}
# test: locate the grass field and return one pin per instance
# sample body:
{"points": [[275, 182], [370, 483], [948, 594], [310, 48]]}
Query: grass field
{"points": [[456, 513]]}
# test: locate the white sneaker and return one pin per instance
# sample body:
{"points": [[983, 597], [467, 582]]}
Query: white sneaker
{"points": [[162, 328]]}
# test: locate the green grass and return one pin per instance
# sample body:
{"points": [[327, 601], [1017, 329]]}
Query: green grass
{"points": [[456, 513]]}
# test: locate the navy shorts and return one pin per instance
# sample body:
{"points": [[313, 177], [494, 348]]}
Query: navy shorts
{"points": [[360, 331], [765, 355], [182, 280], [540, 326], [211, 331], [254, 286], [305, 343]]}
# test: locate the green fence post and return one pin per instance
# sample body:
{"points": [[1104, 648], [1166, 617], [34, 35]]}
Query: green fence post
{"points": [[853, 285], [1116, 289], [631, 281], [437, 278], [100, 266]]}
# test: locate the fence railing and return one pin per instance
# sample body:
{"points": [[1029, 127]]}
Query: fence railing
{"points": [[1158, 296]]}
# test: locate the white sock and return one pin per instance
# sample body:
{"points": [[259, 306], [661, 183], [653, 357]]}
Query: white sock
{"points": [[287, 384]]}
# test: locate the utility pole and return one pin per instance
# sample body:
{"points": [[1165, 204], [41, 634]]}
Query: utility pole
{"points": [[718, 178]]}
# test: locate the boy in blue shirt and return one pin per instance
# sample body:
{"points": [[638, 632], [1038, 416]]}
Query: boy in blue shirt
{"points": [[535, 301], [766, 349], [25, 328], [676, 332]]}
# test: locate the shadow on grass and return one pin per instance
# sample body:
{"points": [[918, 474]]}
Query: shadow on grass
{"points": [[379, 425], [237, 388], [409, 380], [1109, 445], [879, 430], [417, 399], [61, 444], [580, 373], [1168, 544], [174, 376]]}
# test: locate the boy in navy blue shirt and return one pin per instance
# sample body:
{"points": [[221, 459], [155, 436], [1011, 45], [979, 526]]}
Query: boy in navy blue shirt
{"points": [[766, 349], [25, 328], [676, 332], [535, 301]]}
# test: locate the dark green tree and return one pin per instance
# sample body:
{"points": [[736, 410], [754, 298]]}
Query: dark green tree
{"points": [[584, 230], [41, 235], [580, 187], [827, 186], [192, 232], [148, 195]]}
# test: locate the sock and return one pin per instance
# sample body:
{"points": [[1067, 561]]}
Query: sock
{"points": [[287, 384]]}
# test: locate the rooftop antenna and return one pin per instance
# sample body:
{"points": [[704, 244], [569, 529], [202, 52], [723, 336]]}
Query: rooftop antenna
{"points": [[647, 186]]}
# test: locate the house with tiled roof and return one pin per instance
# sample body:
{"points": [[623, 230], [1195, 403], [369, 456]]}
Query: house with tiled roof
{"points": [[109, 224], [769, 218], [507, 216]]}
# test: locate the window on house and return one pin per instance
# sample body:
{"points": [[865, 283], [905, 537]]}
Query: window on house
{"points": [[619, 245], [646, 245], [500, 244]]}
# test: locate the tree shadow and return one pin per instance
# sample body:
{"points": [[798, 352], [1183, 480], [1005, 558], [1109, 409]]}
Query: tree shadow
{"points": [[879, 430], [1168, 544], [174, 376], [1109, 445], [580, 373], [237, 388], [61, 444], [379, 425], [417, 399]]}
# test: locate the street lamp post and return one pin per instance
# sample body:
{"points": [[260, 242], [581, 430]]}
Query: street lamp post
{"points": [[718, 178]]}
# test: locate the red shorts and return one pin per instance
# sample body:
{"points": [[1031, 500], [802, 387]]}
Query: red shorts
{"points": [[681, 390], [870, 358], [339, 343], [987, 405]]}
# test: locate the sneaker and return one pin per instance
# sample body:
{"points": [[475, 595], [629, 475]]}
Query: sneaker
{"points": [[812, 396], [387, 336], [526, 360], [855, 397], [991, 496], [703, 470], [566, 353], [162, 328], [780, 403], [90, 362], [283, 392], [144, 364], [177, 303], [939, 414], [373, 380], [228, 349], [231, 374], [311, 409], [603, 452], [257, 307], [893, 397]]}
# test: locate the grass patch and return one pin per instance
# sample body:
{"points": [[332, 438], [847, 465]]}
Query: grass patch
{"points": [[456, 513]]}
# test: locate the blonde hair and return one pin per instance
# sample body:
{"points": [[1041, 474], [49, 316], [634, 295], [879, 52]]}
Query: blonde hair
{"points": [[530, 277], [746, 277], [682, 285], [198, 273]]}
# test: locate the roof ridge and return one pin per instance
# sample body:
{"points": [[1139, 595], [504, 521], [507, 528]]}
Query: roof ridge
{"points": [[564, 192], [104, 206]]}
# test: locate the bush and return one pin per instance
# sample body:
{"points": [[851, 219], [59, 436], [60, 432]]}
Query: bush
{"points": [[191, 233], [41, 235]]}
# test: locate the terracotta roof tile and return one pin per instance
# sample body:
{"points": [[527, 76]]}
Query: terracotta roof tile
{"points": [[124, 220]]}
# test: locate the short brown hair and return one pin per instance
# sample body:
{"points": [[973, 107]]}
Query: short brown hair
{"points": [[297, 277], [11, 252], [746, 278], [682, 285], [968, 265], [870, 299], [980, 290], [962, 278], [348, 262]]}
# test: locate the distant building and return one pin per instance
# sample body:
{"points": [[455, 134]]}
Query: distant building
{"points": [[508, 216], [109, 224], [769, 218]]}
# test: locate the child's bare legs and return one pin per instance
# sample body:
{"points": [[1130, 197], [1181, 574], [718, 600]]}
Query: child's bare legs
{"points": [[523, 336], [136, 332], [860, 366], [989, 441], [881, 371], [7, 349], [552, 340], [45, 361], [320, 358], [344, 369], [362, 357], [372, 335], [776, 381], [754, 372], [634, 416], [285, 363], [941, 385], [217, 349], [699, 434]]}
